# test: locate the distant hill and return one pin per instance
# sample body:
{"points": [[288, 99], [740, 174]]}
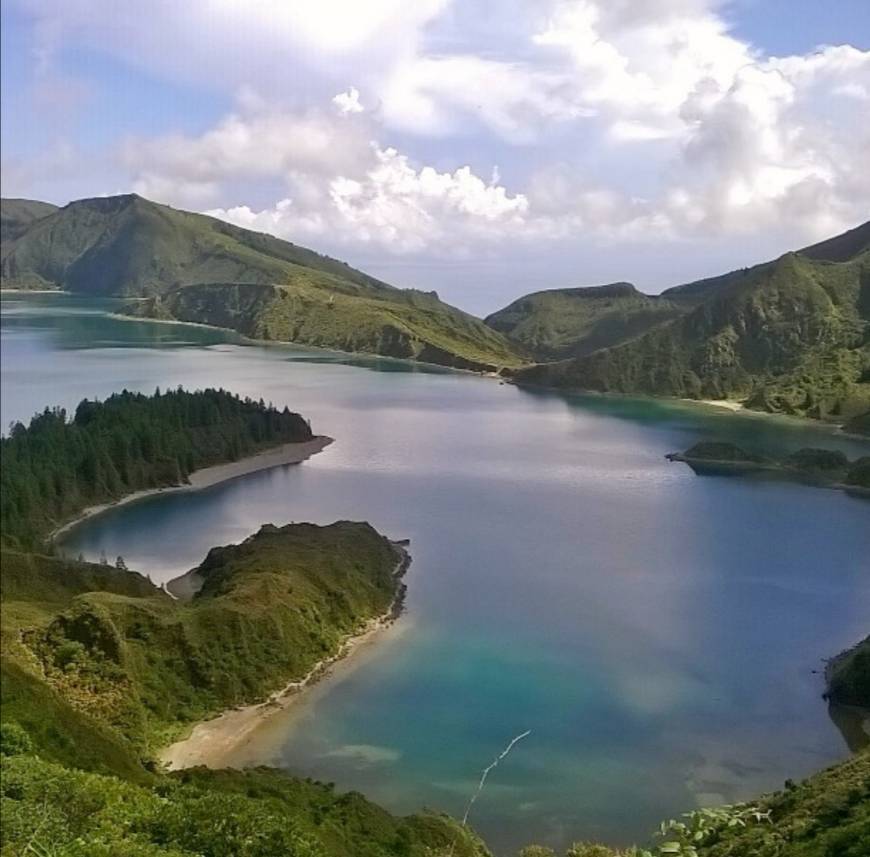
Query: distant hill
{"points": [[16, 217], [130, 247], [560, 323], [791, 335]]}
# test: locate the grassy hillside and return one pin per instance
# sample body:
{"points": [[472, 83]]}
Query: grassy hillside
{"points": [[124, 653], [127, 245], [53, 810], [792, 336], [17, 216], [561, 323], [248, 281], [411, 325], [100, 667]]}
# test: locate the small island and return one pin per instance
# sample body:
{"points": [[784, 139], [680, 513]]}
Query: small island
{"points": [[821, 467]]}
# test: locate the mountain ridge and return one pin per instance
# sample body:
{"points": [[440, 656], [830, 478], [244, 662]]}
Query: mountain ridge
{"points": [[127, 246], [788, 335], [791, 335]]}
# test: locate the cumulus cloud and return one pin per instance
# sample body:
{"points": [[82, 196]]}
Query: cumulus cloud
{"points": [[395, 207], [634, 119], [348, 101], [257, 142]]}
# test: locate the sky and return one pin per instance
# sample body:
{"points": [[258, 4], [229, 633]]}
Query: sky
{"points": [[481, 148]]}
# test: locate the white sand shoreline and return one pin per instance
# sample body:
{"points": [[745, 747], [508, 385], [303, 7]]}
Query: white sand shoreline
{"points": [[728, 404], [210, 741], [288, 453]]}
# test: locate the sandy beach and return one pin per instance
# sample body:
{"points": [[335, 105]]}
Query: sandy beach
{"points": [[728, 404], [211, 741], [289, 453]]}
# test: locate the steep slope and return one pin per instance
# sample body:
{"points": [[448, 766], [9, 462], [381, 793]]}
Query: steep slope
{"points": [[414, 325], [848, 676], [127, 245], [96, 662], [842, 247], [134, 660], [17, 216], [560, 323], [248, 281], [790, 336]]}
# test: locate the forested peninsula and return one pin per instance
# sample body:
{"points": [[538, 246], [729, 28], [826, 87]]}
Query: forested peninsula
{"points": [[55, 467]]}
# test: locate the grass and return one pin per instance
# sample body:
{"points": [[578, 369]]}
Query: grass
{"points": [[562, 323], [790, 337], [124, 653], [54, 810], [100, 668], [197, 268]]}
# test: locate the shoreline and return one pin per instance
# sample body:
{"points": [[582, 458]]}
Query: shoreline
{"points": [[769, 470], [502, 374], [727, 404], [210, 741], [248, 340], [34, 292], [206, 477]]}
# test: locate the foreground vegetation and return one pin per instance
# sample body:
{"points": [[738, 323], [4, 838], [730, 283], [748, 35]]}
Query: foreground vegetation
{"points": [[100, 668], [49, 809], [55, 467], [828, 815]]}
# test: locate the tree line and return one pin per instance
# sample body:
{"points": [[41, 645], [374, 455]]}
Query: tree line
{"points": [[55, 466]]}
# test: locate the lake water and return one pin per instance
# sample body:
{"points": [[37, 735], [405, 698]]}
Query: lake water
{"points": [[658, 632]]}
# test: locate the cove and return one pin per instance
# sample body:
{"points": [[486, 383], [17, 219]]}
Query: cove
{"points": [[656, 631]]}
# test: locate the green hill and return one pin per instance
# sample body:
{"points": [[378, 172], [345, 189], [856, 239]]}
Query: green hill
{"points": [[408, 324], [249, 281], [560, 323], [789, 336], [99, 667], [123, 652], [16, 217]]}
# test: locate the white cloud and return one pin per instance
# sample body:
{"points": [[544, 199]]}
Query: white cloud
{"points": [[640, 119], [348, 101], [444, 95], [255, 143], [395, 207]]}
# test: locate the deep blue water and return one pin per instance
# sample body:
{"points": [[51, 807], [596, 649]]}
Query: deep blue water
{"points": [[657, 631]]}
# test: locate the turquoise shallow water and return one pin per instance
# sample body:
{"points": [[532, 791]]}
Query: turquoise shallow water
{"points": [[658, 632]]}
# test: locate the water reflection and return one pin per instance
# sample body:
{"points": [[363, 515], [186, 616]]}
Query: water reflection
{"points": [[659, 632]]}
